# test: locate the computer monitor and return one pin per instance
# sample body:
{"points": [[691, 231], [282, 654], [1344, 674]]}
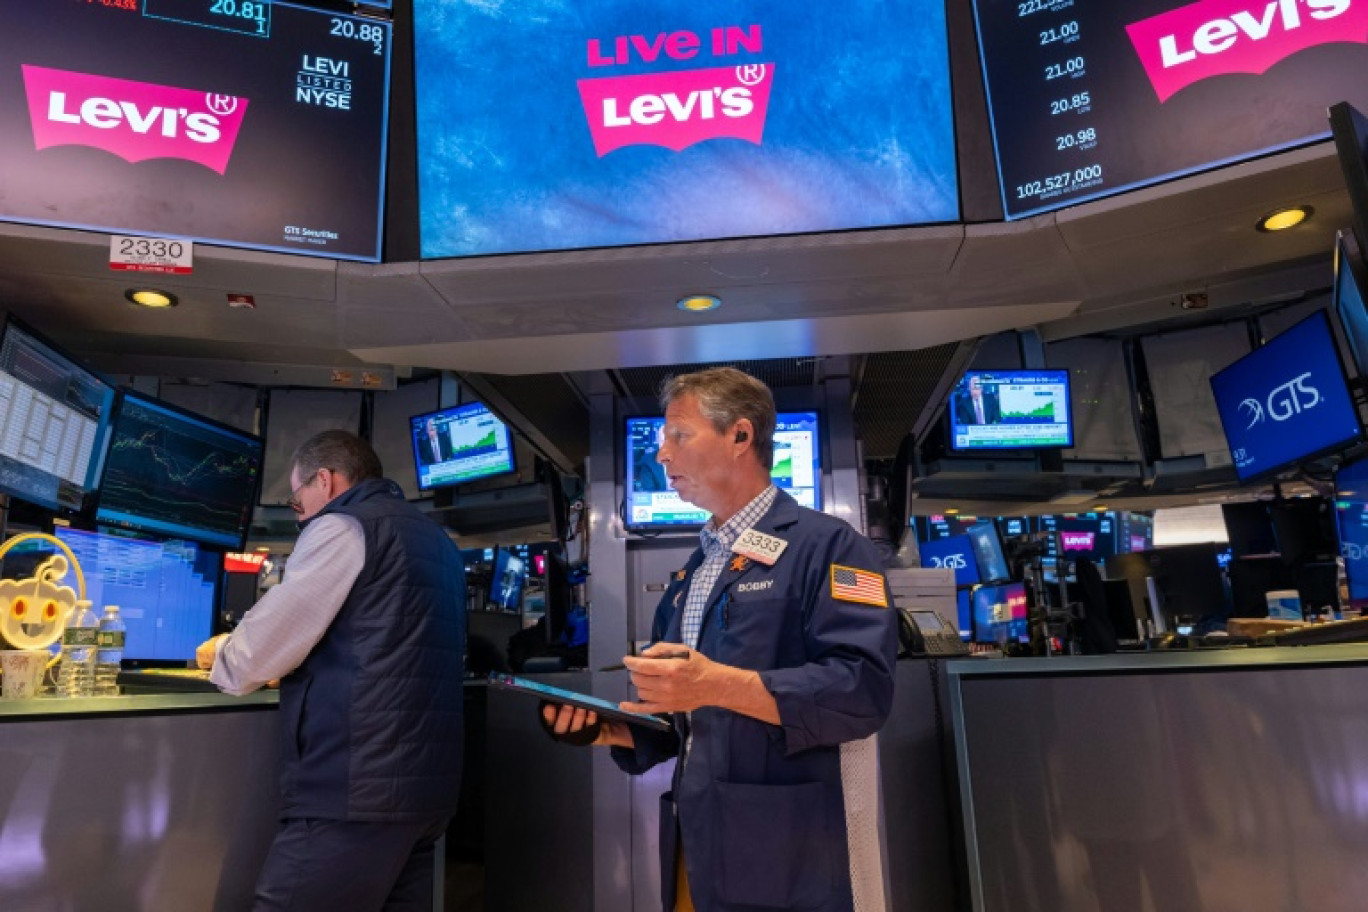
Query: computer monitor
{"points": [[1188, 581], [54, 421], [1351, 298], [953, 553], [1351, 514], [167, 591], [1011, 409], [1014, 526], [650, 503], [1079, 535], [176, 474], [1305, 529], [1134, 532], [506, 583], [456, 445], [1287, 401], [1249, 528], [1000, 614], [988, 555]]}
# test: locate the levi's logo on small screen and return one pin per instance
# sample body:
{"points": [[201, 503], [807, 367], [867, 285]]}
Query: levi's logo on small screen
{"points": [[136, 121], [677, 108], [1220, 37], [1077, 541]]}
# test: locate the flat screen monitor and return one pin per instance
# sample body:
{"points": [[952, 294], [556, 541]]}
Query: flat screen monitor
{"points": [[258, 125], [167, 591], [1249, 528], [1090, 536], [560, 596], [460, 444], [177, 474], [1351, 514], [1000, 614], [506, 583], [1351, 285], [988, 555], [1134, 532], [964, 604], [1014, 526], [1088, 100], [1305, 530], [1189, 583], [54, 421], [1011, 409], [651, 503], [551, 126], [953, 553], [1287, 401]]}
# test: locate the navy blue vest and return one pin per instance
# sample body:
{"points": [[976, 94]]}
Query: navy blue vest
{"points": [[371, 720]]}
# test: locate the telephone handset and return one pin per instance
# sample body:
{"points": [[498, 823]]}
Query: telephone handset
{"points": [[923, 632]]}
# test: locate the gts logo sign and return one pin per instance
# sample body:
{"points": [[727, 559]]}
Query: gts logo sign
{"points": [[1285, 401], [949, 562]]}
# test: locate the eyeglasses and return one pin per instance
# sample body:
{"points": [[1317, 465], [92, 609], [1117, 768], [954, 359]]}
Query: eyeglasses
{"points": [[293, 503]]}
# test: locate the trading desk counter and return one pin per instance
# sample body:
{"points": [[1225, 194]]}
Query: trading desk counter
{"points": [[1225, 780], [135, 802]]}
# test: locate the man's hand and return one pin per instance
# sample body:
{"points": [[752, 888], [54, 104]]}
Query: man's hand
{"points": [[566, 719], [207, 652], [673, 678]]}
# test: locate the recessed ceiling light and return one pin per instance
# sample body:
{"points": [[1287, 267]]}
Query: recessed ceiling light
{"points": [[1100, 508], [150, 297], [698, 303], [952, 512], [1279, 219]]}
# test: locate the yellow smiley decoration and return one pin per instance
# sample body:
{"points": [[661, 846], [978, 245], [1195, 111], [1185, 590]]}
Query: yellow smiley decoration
{"points": [[34, 611]]}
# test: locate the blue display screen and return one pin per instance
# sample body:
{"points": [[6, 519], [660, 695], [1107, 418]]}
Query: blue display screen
{"points": [[999, 410], [506, 584], [955, 553], [546, 126], [459, 444], [1000, 614], [797, 469], [964, 599], [1286, 401], [992, 563], [166, 591], [1351, 512]]}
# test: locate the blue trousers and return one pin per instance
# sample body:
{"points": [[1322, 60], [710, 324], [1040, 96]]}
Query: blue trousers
{"points": [[327, 865]]}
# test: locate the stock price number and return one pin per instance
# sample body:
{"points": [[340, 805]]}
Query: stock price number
{"points": [[1031, 7], [1080, 103], [1067, 33], [360, 31], [1079, 139], [1063, 182], [1071, 67], [258, 13]]}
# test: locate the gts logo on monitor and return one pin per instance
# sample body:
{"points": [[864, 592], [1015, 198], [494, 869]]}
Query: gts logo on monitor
{"points": [[949, 562], [1291, 398]]}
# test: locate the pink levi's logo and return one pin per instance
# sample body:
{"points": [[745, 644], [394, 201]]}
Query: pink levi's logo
{"points": [[1077, 541], [1220, 37], [677, 110], [133, 120]]}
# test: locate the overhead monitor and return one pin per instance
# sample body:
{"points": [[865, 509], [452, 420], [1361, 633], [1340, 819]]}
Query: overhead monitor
{"points": [[1287, 401], [1011, 409], [173, 473], [460, 444], [551, 126], [247, 124], [1351, 298], [1000, 614], [652, 503], [1351, 513], [1350, 130], [988, 555], [166, 591], [953, 553], [1088, 100], [54, 421]]}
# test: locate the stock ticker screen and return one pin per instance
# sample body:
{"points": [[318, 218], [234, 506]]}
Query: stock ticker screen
{"points": [[248, 124]]}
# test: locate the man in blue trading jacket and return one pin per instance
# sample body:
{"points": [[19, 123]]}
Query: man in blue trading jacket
{"points": [[367, 636], [774, 648]]}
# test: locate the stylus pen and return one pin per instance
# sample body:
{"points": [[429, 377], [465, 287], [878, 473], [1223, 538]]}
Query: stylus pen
{"points": [[668, 655]]}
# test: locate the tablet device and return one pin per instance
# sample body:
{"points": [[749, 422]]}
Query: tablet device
{"points": [[604, 708]]}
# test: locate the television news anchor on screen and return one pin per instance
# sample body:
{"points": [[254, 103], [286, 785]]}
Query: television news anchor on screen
{"points": [[975, 405], [773, 648], [434, 446], [367, 636]]}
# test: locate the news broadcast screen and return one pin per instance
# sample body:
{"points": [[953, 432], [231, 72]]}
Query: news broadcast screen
{"points": [[1011, 409], [547, 126], [1286, 401], [460, 444], [1091, 99], [247, 124]]}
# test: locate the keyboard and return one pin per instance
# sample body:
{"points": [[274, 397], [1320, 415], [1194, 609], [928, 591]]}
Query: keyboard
{"points": [[165, 680], [1351, 631]]}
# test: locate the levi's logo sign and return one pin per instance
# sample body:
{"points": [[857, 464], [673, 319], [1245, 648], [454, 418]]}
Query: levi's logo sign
{"points": [[1220, 37], [133, 120], [676, 109], [1077, 541], [1289, 399]]}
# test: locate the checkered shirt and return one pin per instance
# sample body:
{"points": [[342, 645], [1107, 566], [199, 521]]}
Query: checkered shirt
{"points": [[717, 543]]}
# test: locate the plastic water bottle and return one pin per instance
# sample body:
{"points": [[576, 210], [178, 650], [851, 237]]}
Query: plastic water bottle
{"points": [[109, 647], [76, 678]]}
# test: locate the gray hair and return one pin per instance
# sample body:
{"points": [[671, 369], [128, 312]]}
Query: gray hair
{"points": [[338, 451], [726, 395]]}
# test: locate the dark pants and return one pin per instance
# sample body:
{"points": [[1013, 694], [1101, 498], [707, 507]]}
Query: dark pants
{"points": [[328, 865]]}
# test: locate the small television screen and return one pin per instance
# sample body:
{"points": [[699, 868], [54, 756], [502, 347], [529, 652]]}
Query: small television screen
{"points": [[1286, 401], [1351, 514], [166, 590], [460, 444], [506, 583], [988, 555], [1000, 614], [953, 553], [650, 502], [1013, 409], [1351, 284], [1081, 535], [174, 473], [1134, 532], [54, 421], [1013, 526]]}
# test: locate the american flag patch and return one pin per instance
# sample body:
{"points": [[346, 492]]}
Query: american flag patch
{"points": [[851, 584]]}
